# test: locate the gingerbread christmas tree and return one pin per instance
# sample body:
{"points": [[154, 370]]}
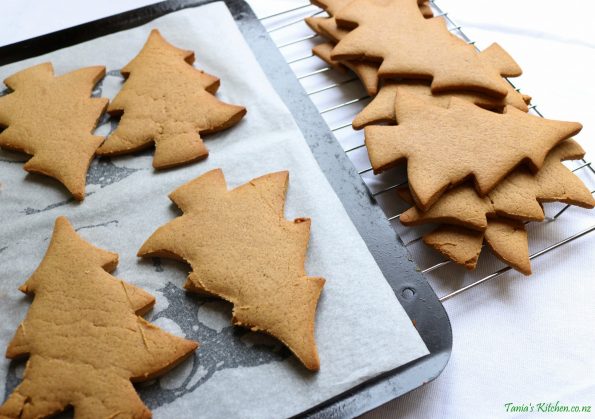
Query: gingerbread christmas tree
{"points": [[444, 147], [166, 101], [84, 337], [52, 119], [242, 249]]}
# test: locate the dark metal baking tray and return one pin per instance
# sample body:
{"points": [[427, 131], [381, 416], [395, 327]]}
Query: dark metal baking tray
{"points": [[409, 285]]}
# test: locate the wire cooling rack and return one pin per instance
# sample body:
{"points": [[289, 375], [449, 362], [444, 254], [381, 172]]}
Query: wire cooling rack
{"points": [[339, 96]]}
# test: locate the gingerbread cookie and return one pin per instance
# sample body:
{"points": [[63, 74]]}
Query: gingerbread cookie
{"points": [[328, 28], [84, 337], [509, 242], [241, 248], [323, 51], [458, 244], [52, 118], [366, 72], [518, 196], [382, 108], [443, 147], [506, 238], [410, 46], [332, 7], [460, 205], [167, 102]]}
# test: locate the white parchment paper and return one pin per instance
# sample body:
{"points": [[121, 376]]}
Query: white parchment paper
{"points": [[361, 328]]}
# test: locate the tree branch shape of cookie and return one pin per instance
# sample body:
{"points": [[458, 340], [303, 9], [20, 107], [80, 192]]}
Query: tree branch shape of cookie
{"points": [[242, 249], [166, 101], [518, 196], [84, 337], [443, 147], [52, 119], [410, 46]]}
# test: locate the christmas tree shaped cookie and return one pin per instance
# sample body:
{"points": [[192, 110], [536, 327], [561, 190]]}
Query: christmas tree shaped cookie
{"points": [[52, 118], [84, 337], [506, 238], [410, 46], [241, 248], [327, 26], [382, 108], [443, 147], [518, 196], [166, 101]]}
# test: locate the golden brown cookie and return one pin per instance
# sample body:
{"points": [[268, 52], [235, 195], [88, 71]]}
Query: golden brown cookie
{"points": [[458, 244], [509, 242], [382, 108], [323, 51], [366, 72], [444, 147], [332, 7], [313, 23], [506, 238], [166, 101], [410, 46], [518, 196], [241, 248], [52, 118], [84, 337], [328, 28], [460, 205]]}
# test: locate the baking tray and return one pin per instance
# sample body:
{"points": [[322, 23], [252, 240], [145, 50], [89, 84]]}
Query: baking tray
{"points": [[412, 290]]}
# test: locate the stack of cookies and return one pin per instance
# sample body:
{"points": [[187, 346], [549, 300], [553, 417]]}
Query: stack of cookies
{"points": [[478, 164]]}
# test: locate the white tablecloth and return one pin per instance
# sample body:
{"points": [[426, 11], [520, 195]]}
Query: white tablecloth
{"points": [[516, 340]]}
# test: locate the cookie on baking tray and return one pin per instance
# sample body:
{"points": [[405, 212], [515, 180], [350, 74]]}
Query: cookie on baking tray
{"points": [[242, 249], [84, 338], [52, 119], [166, 101]]}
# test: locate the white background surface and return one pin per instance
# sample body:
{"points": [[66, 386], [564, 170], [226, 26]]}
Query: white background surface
{"points": [[516, 339]]}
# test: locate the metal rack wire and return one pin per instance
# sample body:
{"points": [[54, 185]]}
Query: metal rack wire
{"points": [[296, 15]]}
